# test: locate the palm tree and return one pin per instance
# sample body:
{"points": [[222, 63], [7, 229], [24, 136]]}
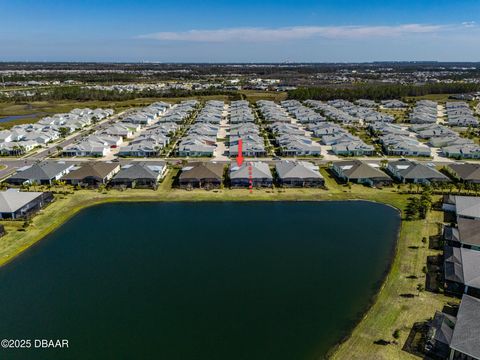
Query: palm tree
{"points": [[476, 188], [451, 186], [410, 187], [441, 185], [459, 186]]}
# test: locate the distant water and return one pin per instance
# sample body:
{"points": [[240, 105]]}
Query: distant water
{"points": [[199, 281], [15, 117]]}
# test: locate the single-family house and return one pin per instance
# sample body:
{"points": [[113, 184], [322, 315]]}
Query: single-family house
{"points": [[204, 175], [409, 171], [298, 174], [43, 173], [15, 204], [462, 270], [468, 173], [360, 172], [139, 175], [251, 173], [465, 234], [92, 174]]}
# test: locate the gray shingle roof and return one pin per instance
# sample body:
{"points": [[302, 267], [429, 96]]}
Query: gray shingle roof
{"points": [[466, 335], [260, 170], [469, 231], [297, 169], [95, 169], [202, 170], [442, 327], [137, 171], [46, 170], [413, 170], [356, 169], [463, 266], [467, 171], [468, 206], [12, 199]]}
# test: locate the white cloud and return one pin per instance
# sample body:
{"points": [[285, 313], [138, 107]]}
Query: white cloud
{"points": [[295, 33], [469, 24]]}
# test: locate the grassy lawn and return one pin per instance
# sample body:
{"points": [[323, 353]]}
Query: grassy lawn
{"points": [[254, 95], [434, 97], [389, 313]]}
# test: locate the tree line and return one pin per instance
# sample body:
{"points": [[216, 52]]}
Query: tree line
{"points": [[84, 94], [380, 92]]}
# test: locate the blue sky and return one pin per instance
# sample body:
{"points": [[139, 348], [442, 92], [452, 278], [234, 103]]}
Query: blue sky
{"points": [[240, 31]]}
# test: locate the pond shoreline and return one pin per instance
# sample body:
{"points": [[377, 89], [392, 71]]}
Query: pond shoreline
{"points": [[95, 202], [96, 199]]}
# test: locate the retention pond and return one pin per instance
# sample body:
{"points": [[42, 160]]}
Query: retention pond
{"points": [[181, 281]]}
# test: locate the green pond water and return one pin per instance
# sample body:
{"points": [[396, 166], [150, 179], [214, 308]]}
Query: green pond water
{"points": [[199, 281]]}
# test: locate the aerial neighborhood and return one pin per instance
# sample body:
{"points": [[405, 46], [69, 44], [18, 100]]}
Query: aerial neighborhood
{"points": [[225, 180], [366, 142], [312, 145]]}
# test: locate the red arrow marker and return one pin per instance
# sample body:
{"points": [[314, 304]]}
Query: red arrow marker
{"points": [[240, 155]]}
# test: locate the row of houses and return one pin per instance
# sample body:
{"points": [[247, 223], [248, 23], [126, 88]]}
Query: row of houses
{"points": [[243, 127], [293, 139], [241, 112], [272, 112], [365, 114], [151, 141], [303, 114], [147, 115], [451, 143], [92, 146], [23, 138], [458, 336], [372, 174], [397, 140], [402, 145], [101, 143], [362, 172], [288, 173], [211, 113], [201, 138], [348, 113], [424, 112], [459, 113], [179, 113], [332, 112], [290, 137], [393, 104], [341, 141], [156, 136], [90, 174]]}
